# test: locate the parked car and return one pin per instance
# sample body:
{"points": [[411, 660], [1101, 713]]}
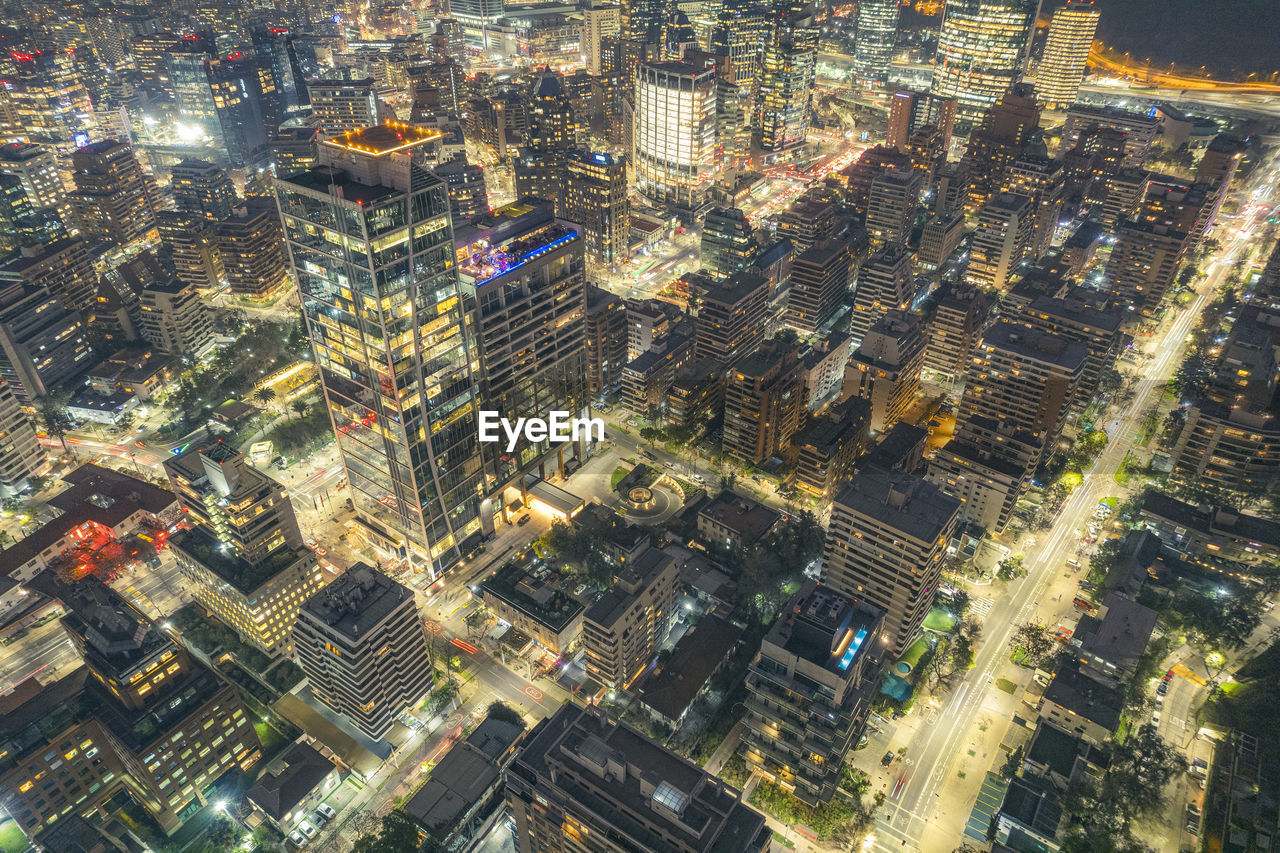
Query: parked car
{"points": [[298, 838], [524, 519], [320, 820], [307, 829], [887, 760], [326, 810]]}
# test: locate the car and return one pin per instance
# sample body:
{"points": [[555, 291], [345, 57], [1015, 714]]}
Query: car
{"points": [[1159, 698], [647, 455], [887, 760], [697, 478], [524, 519], [320, 820], [307, 829], [582, 587], [326, 810], [668, 466], [1155, 718], [1163, 688], [298, 838], [1193, 828]]}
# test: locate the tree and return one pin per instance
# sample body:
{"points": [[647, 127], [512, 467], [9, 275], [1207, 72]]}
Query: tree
{"points": [[1012, 764], [960, 604], [1193, 374], [499, 710], [399, 834], [1011, 568], [57, 423], [265, 396], [1140, 769], [299, 407], [1034, 640], [964, 643]]}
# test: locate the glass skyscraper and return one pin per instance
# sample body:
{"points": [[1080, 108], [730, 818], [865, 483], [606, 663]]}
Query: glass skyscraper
{"points": [[874, 40], [371, 244], [982, 51]]}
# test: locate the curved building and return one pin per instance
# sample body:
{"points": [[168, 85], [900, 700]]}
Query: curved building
{"points": [[982, 51], [874, 40], [675, 135]]}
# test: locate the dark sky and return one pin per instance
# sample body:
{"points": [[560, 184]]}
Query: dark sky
{"points": [[1230, 36]]}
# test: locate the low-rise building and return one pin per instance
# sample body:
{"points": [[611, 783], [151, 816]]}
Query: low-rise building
{"points": [[535, 603], [1113, 641], [1211, 535], [463, 796], [735, 521], [292, 786], [705, 648], [1081, 706], [1060, 757]]}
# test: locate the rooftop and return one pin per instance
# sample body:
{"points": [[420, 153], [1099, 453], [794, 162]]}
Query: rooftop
{"points": [[228, 565], [901, 442], [694, 659], [827, 629], [635, 785], [462, 777], [1211, 520], [900, 501], [537, 594], [748, 519], [293, 776], [1121, 635], [1085, 697], [359, 596], [631, 579], [1039, 346]]}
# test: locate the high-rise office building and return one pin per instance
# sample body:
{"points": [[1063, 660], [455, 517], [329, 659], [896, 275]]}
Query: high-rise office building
{"points": [[586, 782], [987, 466], [982, 51], [21, 456], [341, 105], [764, 401], [139, 720], [1066, 53], [909, 111], [252, 250], [784, 87], [468, 195], [1044, 181], [874, 41], [522, 276], [885, 368], [675, 135], [599, 22], [113, 200], [886, 544], [891, 206], [242, 557], [623, 631], [957, 324], [479, 19], [406, 427], [595, 197], [190, 241], [810, 689], [362, 646], [606, 340], [41, 342], [885, 283], [728, 242], [204, 188], [819, 284], [739, 33], [1002, 241], [641, 21], [46, 95], [731, 317]]}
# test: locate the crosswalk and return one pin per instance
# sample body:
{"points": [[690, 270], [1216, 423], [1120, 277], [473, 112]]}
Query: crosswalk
{"points": [[980, 607]]}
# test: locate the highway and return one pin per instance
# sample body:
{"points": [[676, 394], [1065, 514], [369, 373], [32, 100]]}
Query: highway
{"points": [[911, 817]]}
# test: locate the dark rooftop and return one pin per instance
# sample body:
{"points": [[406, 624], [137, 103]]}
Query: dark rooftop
{"points": [[537, 595], [360, 596], [900, 501], [280, 788], [228, 565], [1087, 698], [700, 651], [703, 813], [745, 517]]}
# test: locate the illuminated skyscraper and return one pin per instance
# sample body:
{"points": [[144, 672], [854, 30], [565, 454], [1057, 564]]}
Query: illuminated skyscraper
{"points": [[982, 51], [595, 197], [1066, 52], [642, 20], [203, 188], [675, 135], [403, 402], [874, 40], [785, 84]]}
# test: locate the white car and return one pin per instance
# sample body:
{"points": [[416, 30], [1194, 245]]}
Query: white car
{"points": [[307, 829], [326, 810], [298, 838]]}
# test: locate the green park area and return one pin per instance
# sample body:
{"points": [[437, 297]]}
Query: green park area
{"points": [[12, 839], [940, 619]]}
